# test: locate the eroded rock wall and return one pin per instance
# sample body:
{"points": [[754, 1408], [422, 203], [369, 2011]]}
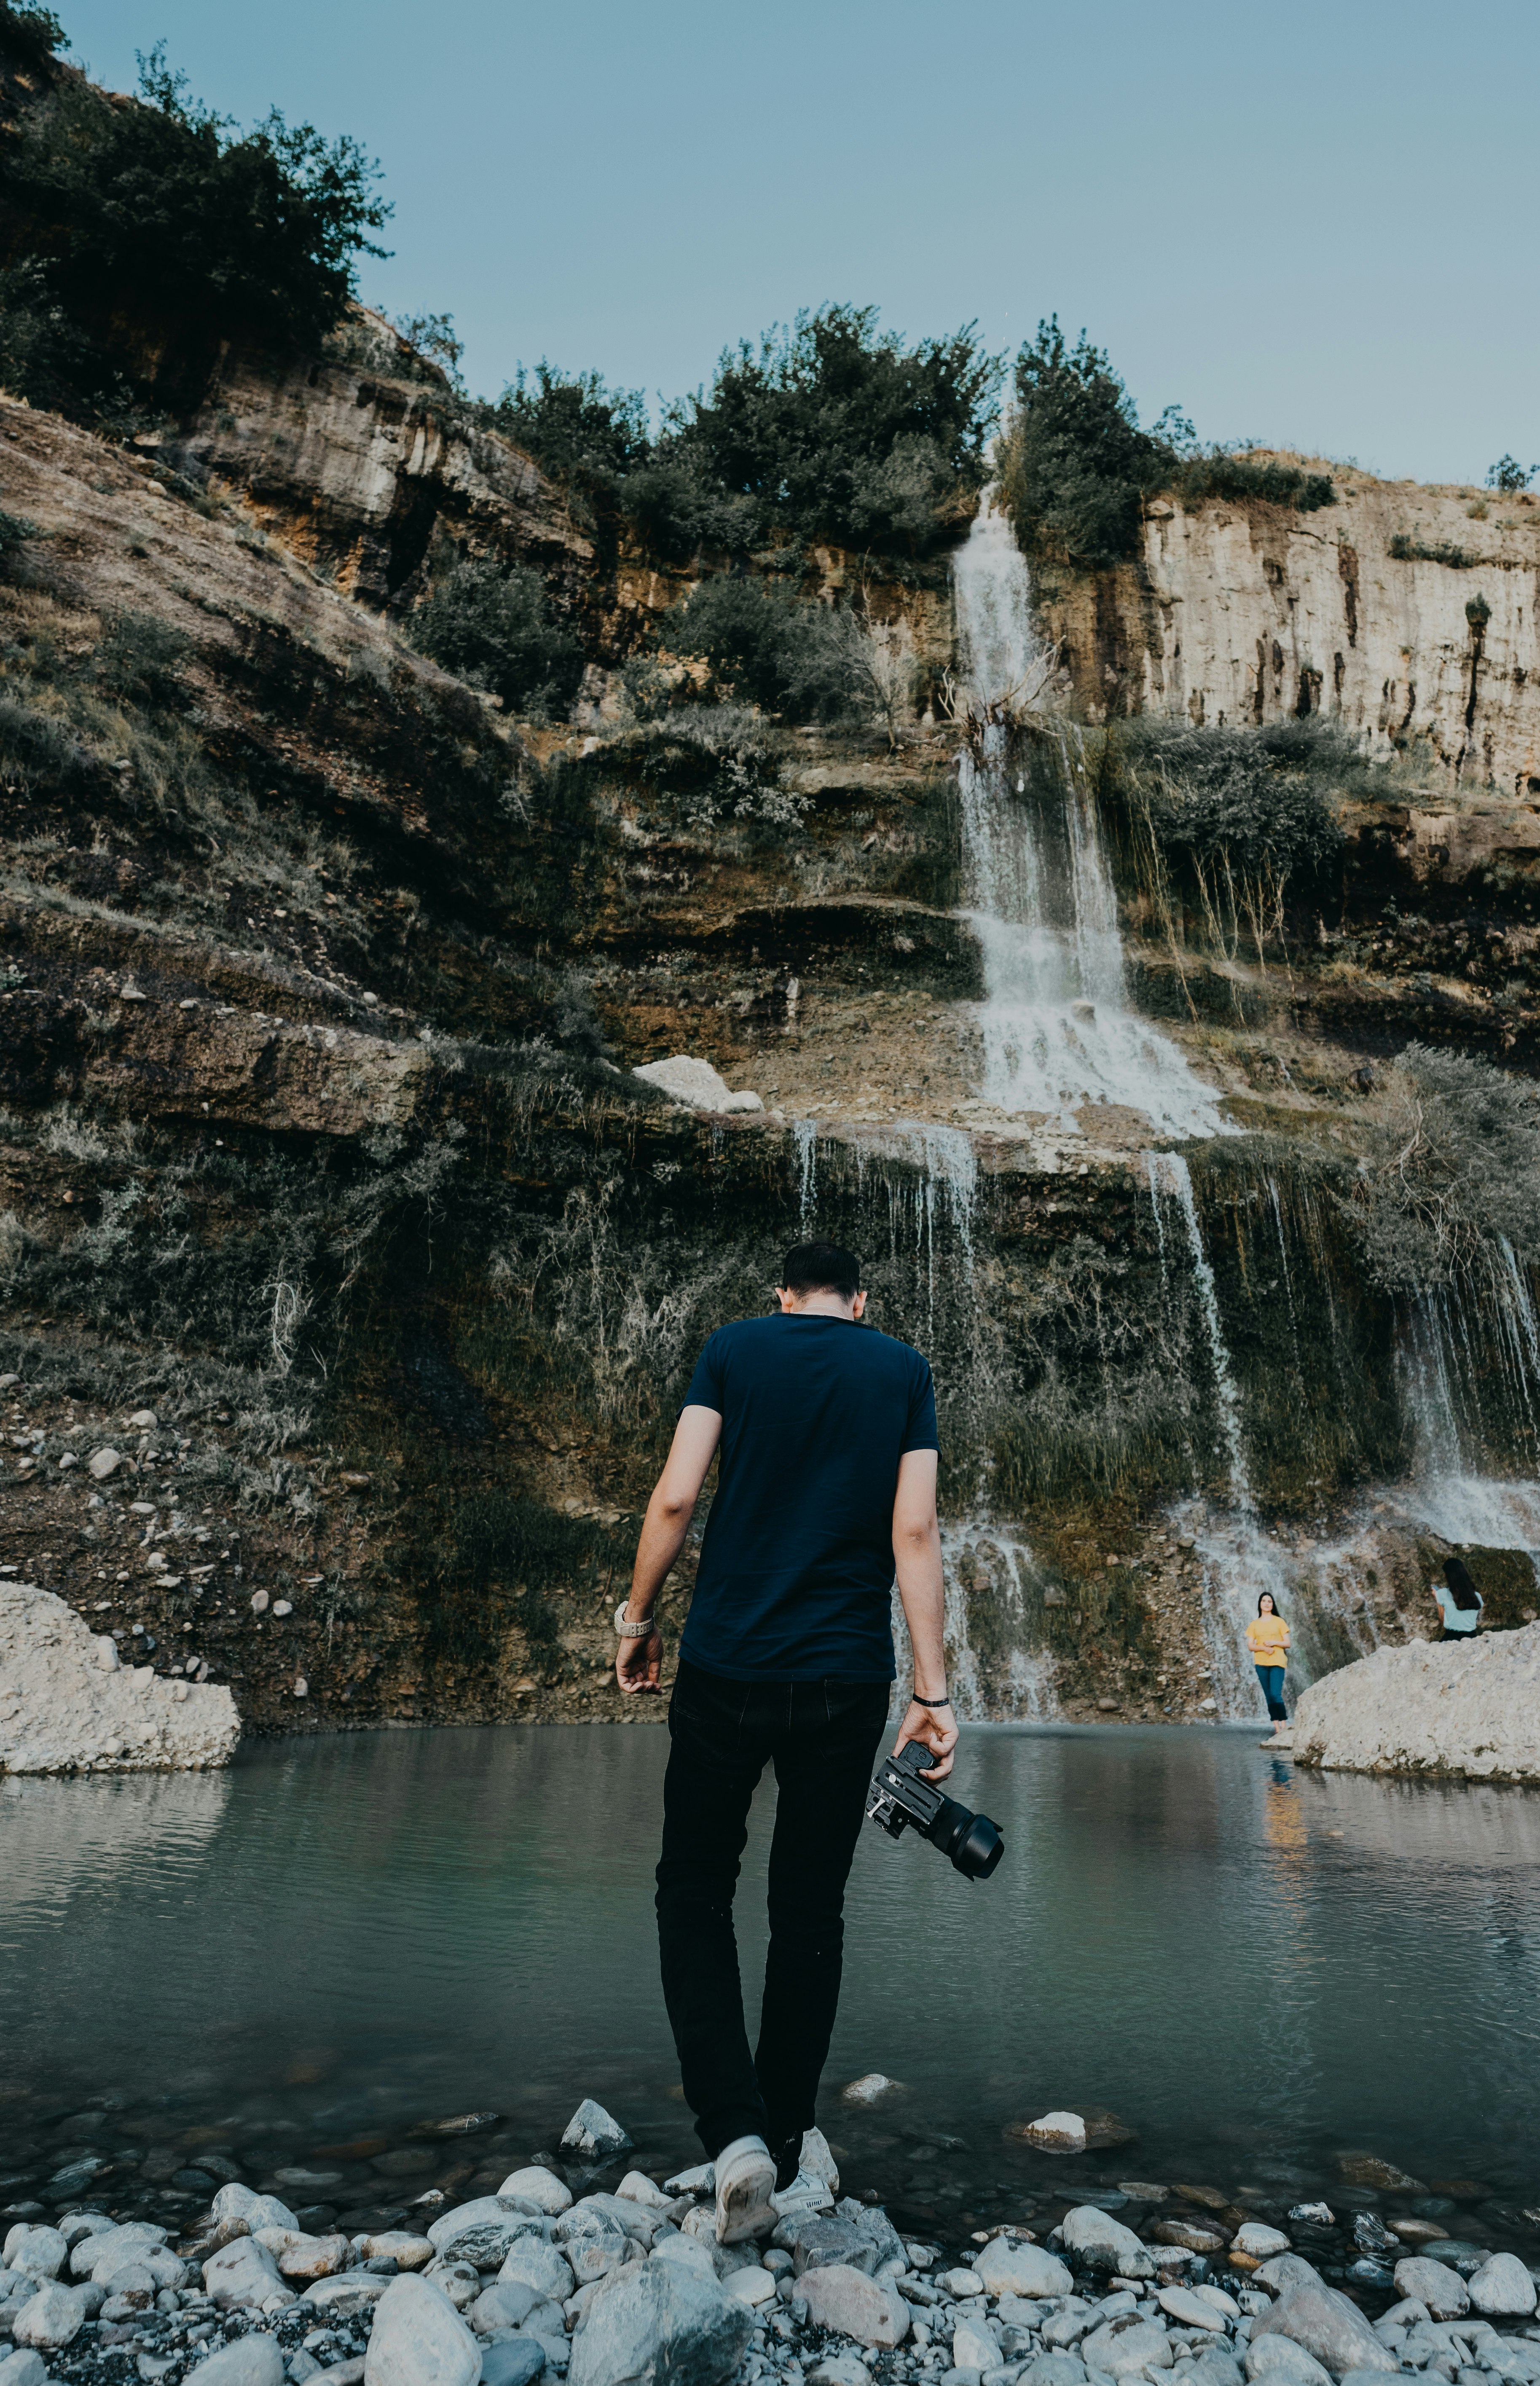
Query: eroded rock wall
{"points": [[1250, 613]]}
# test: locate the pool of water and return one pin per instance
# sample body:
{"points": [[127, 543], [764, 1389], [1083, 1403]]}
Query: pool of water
{"points": [[1256, 1969]]}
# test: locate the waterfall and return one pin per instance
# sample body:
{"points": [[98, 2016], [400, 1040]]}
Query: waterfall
{"points": [[1450, 1336], [1055, 1024]]}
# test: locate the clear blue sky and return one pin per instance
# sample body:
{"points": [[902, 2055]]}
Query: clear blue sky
{"points": [[1314, 226]]}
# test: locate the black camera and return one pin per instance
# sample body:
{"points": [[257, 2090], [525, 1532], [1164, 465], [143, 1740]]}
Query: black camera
{"points": [[902, 1800]]}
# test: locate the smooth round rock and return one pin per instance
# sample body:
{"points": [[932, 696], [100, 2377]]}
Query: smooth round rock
{"points": [[516, 2361], [541, 2188], [252, 2360], [1433, 2283], [1502, 2288], [50, 2319], [418, 2339]]}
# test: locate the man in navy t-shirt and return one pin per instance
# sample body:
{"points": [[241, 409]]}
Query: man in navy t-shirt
{"points": [[825, 1494]]}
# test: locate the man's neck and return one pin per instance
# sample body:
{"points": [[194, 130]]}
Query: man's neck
{"points": [[821, 1304]]}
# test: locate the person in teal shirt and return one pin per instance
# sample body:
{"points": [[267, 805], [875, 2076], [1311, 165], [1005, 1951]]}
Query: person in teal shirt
{"points": [[1460, 1602]]}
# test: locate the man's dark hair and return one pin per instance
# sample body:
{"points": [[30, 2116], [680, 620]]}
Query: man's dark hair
{"points": [[822, 1267]]}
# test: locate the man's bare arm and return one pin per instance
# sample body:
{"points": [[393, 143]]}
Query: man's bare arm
{"points": [[917, 1559], [639, 1663]]}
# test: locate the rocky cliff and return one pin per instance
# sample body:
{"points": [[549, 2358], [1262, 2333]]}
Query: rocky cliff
{"points": [[1407, 613], [323, 986]]}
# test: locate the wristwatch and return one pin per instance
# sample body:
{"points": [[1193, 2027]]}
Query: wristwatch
{"points": [[632, 1631]]}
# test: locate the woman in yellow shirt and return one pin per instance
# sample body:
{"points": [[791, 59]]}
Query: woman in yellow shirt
{"points": [[1267, 1637]]}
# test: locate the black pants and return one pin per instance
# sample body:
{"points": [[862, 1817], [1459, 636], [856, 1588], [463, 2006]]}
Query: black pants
{"points": [[823, 1738]]}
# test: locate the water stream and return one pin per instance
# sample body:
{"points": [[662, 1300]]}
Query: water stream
{"points": [[1055, 1024]]}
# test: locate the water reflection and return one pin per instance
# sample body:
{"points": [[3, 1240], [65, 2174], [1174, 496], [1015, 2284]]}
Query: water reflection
{"points": [[1249, 1966]]}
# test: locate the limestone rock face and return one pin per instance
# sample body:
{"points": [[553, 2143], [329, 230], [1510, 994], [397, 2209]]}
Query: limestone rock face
{"points": [[1243, 612], [355, 460], [1469, 1708], [61, 1713]]}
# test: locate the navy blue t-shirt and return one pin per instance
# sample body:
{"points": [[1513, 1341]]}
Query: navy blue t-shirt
{"points": [[796, 1574]]}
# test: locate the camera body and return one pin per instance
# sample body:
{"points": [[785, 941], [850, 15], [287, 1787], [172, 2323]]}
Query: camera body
{"points": [[903, 1801]]}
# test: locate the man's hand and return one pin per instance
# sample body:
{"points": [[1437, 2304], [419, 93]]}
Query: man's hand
{"points": [[639, 1664], [935, 1731]]}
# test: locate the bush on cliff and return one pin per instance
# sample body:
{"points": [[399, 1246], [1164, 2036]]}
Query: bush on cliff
{"points": [[764, 646], [493, 627], [1243, 819], [1074, 466], [156, 212], [1454, 1189]]}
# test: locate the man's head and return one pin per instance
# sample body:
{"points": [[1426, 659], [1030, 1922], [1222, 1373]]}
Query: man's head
{"points": [[821, 1277]]}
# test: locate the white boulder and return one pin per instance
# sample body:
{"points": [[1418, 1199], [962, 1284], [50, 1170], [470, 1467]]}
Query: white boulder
{"points": [[1104, 2243], [1010, 2267], [36, 2252], [1459, 1707], [657, 2320], [50, 2319], [695, 1085], [843, 2299], [418, 2339], [541, 2188], [1503, 2289], [71, 1715]]}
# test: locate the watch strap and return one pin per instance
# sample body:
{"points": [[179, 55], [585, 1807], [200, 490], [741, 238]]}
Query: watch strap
{"points": [[626, 1631]]}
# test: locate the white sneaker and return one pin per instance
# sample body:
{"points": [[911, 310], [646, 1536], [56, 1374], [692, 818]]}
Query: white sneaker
{"points": [[745, 2182]]}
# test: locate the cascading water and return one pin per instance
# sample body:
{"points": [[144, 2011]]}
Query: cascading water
{"points": [[1451, 1339], [1055, 1024]]}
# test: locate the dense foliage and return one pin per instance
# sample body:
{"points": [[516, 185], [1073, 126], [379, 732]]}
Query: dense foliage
{"points": [[158, 212], [494, 626], [829, 429], [1455, 1188], [1075, 467], [765, 647]]}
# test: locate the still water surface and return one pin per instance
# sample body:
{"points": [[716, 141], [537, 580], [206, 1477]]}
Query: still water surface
{"points": [[1254, 1969]]}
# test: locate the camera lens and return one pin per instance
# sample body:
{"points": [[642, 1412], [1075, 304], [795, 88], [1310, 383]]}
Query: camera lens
{"points": [[982, 1849], [971, 1841]]}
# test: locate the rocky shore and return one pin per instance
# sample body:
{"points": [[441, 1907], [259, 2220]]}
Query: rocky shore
{"points": [[1465, 1709], [577, 2266]]}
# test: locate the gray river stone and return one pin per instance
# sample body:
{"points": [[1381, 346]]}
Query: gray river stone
{"points": [[1008, 2268], [592, 2131], [1189, 2310], [515, 2361], [1503, 2289], [1287, 2270], [24, 2368], [37, 2252], [660, 2323], [233, 2201], [483, 2230], [1055, 2370], [823, 2239], [535, 2184], [544, 2267], [1104, 2243], [1125, 2344], [124, 2242], [74, 2226], [591, 2241], [1069, 2324], [843, 2298], [1280, 2357], [1215, 2367], [1433, 2283], [508, 2302], [50, 2319], [1327, 2325], [418, 2339], [242, 2274], [252, 2360]]}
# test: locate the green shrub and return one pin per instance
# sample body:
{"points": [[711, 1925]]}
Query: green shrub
{"points": [[836, 430], [765, 647], [1509, 475], [161, 211], [493, 627], [1243, 819], [1411, 550], [15, 530], [584, 434], [31, 36], [1221, 475], [1074, 466], [1456, 1176]]}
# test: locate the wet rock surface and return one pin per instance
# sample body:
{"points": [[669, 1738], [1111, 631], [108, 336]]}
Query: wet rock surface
{"points": [[1074, 2294]]}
